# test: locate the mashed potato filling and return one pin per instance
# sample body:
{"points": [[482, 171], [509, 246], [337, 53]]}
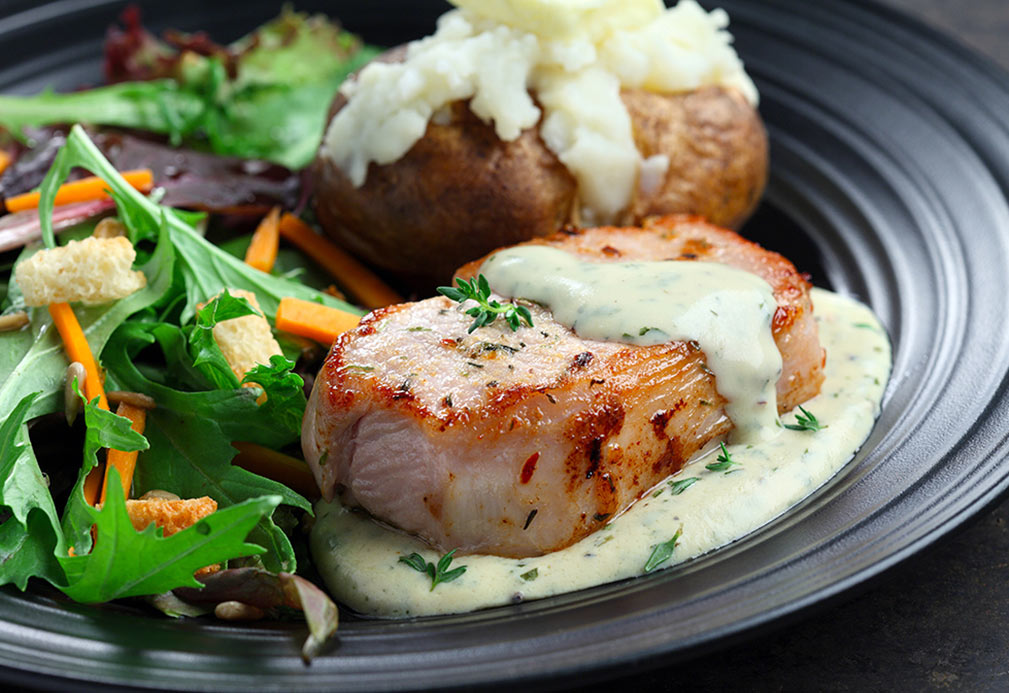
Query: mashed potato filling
{"points": [[560, 63]]}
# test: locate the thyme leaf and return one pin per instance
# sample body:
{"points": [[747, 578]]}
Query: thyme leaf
{"points": [[678, 487], [723, 462], [438, 573], [486, 310], [804, 422]]}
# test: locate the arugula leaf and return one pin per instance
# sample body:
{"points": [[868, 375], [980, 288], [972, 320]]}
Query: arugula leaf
{"points": [[31, 535], [285, 393], [207, 355], [191, 456], [235, 411], [190, 433], [205, 269], [128, 563], [32, 368], [103, 430]]}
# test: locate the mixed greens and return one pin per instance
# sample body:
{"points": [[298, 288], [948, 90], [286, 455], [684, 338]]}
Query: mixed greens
{"points": [[156, 341], [266, 97]]}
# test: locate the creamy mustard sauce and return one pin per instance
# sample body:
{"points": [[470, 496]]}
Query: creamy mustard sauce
{"points": [[727, 311], [359, 558]]}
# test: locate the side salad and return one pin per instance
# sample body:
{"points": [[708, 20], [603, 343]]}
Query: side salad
{"points": [[190, 423]]}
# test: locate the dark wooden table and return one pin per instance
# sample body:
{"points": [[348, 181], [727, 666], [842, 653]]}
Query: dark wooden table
{"points": [[940, 621]]}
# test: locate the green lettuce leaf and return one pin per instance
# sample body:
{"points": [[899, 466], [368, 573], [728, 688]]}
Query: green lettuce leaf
{"points": [[207, 355], [190, 432], [128, 563], [160, 106], [30, 535], [103, 430], [285, 393], [275, 108]]}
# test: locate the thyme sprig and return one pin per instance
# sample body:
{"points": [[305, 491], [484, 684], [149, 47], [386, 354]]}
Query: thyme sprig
{"points": [[805, 422], [438, 573], [486, 310], [723, 461]]}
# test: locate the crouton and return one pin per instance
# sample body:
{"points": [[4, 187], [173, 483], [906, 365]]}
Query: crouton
{"points": [[248, 340], [92, 271], [170, 515]]}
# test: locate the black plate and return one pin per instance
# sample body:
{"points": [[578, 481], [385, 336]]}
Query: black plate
{"points": [[890, 162]]}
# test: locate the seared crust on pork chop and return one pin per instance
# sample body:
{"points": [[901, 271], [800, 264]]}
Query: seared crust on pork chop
{"points": [[519, 443]]}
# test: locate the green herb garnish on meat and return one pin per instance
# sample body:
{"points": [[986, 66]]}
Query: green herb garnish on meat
{"points": [[487, 310]]}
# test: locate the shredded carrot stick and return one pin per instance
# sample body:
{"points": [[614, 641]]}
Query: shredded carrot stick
{"points": [[262, 251], [83, 190], [77, 348], [92, 485], [125, 462], [313, 320], [288, 470], [369, 289], [5, 160]]}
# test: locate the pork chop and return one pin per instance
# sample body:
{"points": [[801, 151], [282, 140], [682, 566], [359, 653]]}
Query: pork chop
{"points": [[518, 443]]}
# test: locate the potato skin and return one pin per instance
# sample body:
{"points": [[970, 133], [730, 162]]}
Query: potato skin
{"points": [[460, 192], [717, 149]]}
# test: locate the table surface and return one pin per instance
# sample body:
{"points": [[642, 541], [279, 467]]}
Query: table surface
{"points": [[940, 621]]}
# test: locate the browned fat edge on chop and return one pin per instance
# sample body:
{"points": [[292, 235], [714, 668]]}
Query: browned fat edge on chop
{"points": [[519, 443]]}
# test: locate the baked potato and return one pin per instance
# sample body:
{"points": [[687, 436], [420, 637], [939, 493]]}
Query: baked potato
{"points": [[460, 192]]}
